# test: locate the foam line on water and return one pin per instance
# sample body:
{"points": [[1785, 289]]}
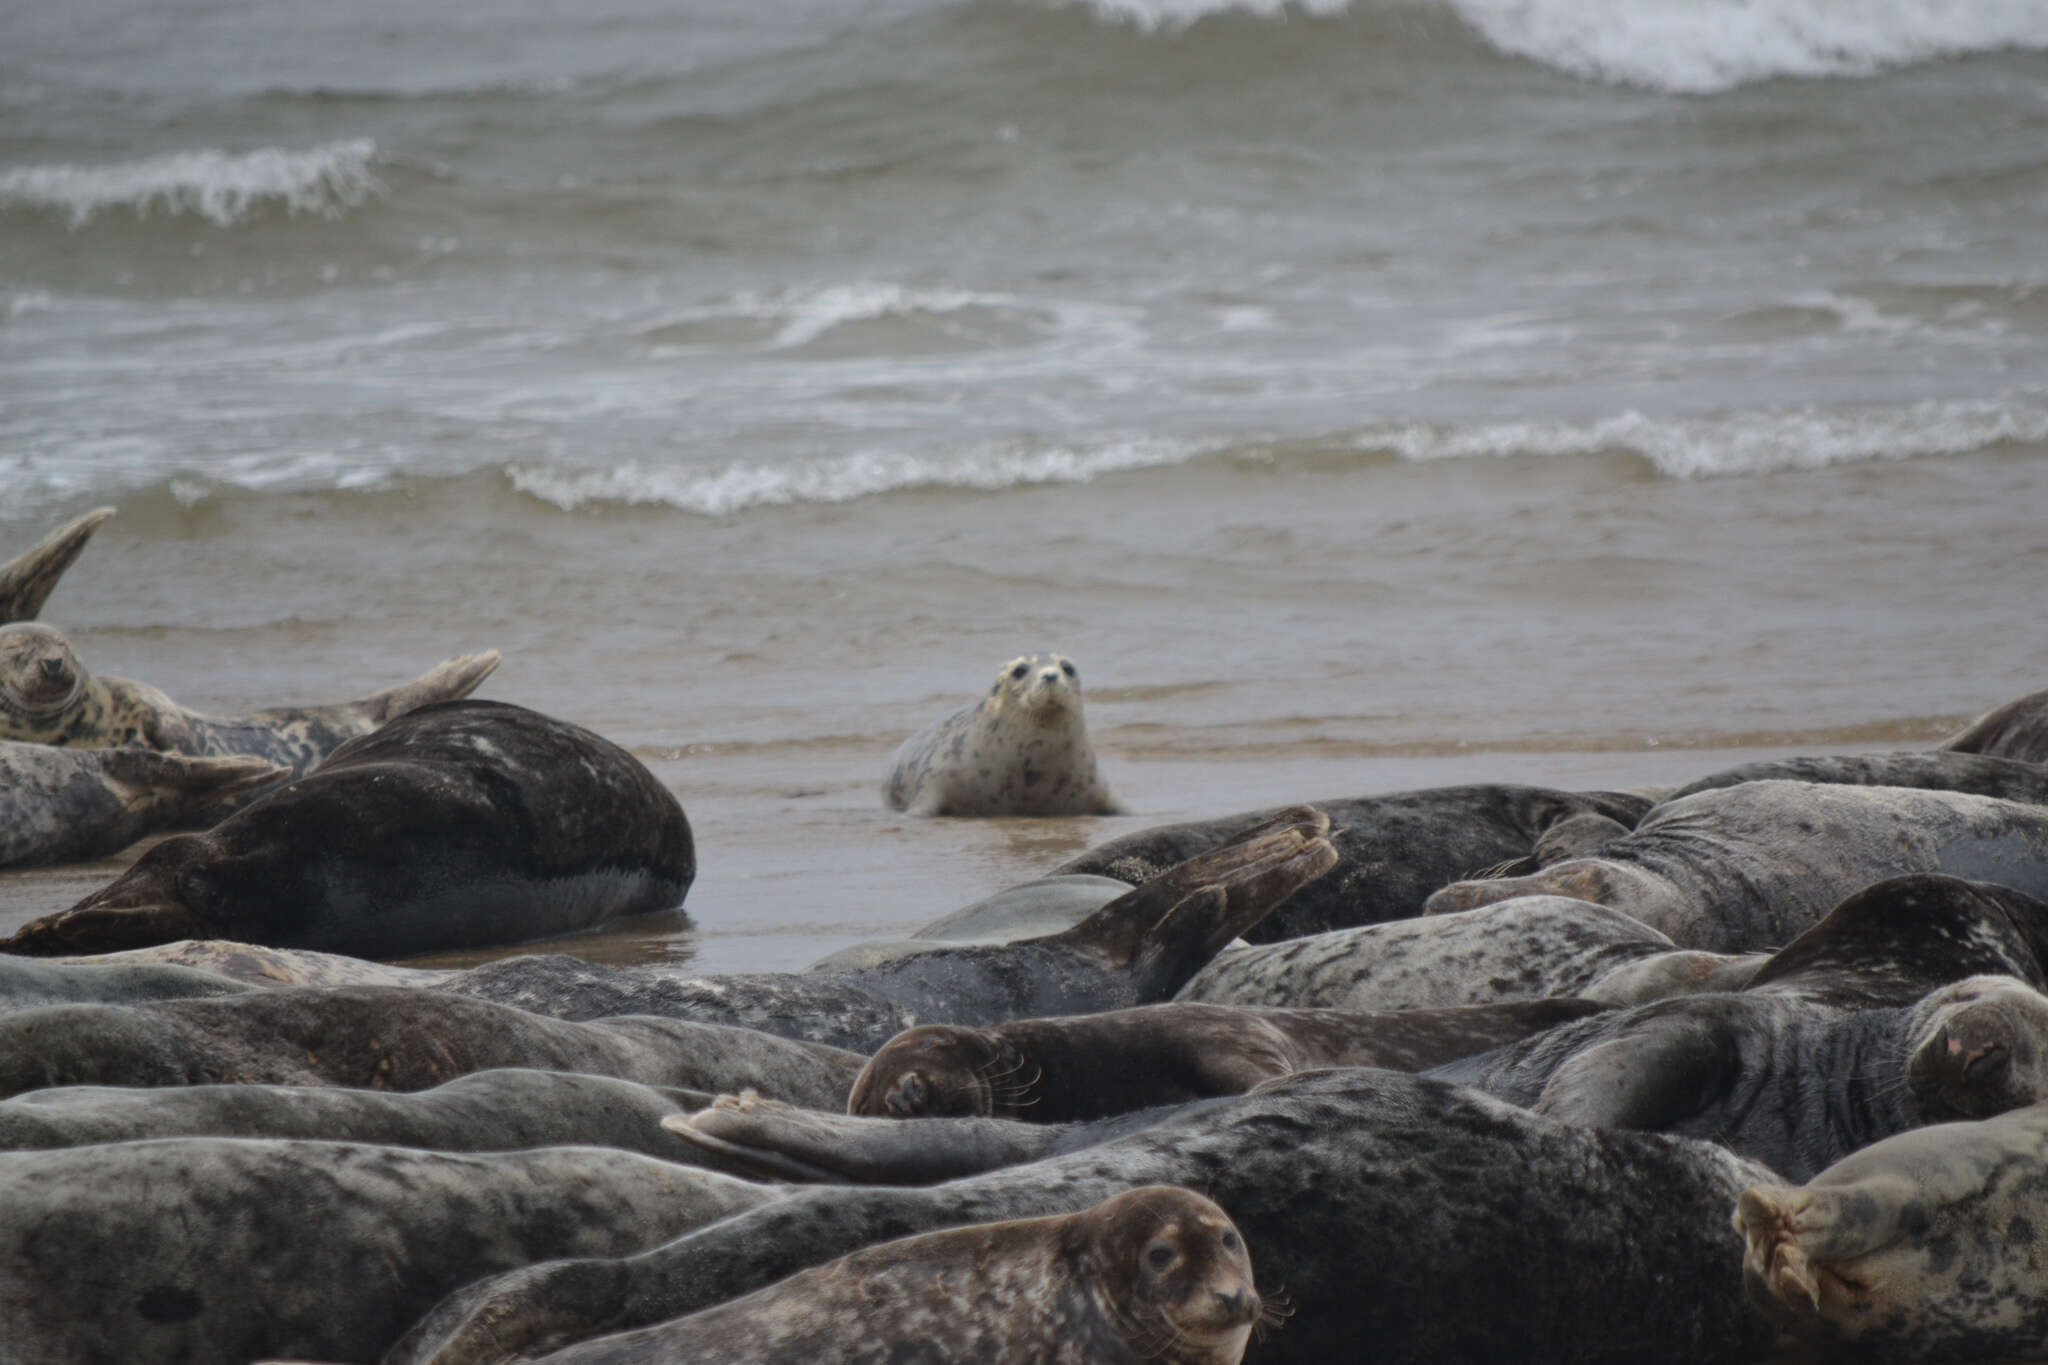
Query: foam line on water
{"points": [[225, 188]]}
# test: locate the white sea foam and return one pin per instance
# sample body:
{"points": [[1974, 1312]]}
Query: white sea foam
{"points": [[734, 487], [801, 316], [222, 187], [1738, 443]]}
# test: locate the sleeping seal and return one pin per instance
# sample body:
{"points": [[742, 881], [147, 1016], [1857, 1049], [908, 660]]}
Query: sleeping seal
{"points": [[1155, 1274], [2018, 729], [1021, 750], [74, 805], [26, 579], [458, 824], [47, 697], [1924, 1247]]}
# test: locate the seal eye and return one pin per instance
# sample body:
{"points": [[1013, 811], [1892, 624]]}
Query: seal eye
{"points": [[1230, 1241], [1067, 667], [1160, 1256], [1020, 670]]}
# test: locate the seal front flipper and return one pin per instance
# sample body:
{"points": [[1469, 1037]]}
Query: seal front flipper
{"points": [[26, 580], [1648, 1080], [767, 1139], [172, 785]]}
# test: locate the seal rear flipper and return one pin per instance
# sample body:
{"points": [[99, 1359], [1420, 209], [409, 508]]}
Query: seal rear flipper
{"points": [[1649, 1080], [766, 1139], [175, 783], [26, 580], [104, 929], [450, 680]]}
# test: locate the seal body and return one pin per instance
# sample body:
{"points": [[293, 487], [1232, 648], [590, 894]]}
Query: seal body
{"points": [[458, 824], [1392, 850], [2008, 779], [65, 805], [2018, 729], [48, 697], [27, 579], [1155, 1274], [1021, 750]]}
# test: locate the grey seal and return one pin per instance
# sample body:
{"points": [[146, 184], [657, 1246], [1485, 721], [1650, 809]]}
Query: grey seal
{"points": [[2017, 729], [456, 824], [1021, 750], [255, 965], [27, 579], [1034, 909], [1155, 1274], [74, 805], [2008, 779], [1392, 850], [26, 984]]}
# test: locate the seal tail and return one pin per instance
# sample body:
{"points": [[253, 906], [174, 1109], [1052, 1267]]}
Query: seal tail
{"points": [[450, 680], [26, 580], [171, 784]]}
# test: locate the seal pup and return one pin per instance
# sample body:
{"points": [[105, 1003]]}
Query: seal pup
{"points": [[1926, 1246], [74, 805], [1155, 1274], [26, 579], [48, 697], [457, 824], [393, 1038], [1094, 1065], [1748, 868], [1392, 850], [1139, 948], [1021, 750], [219, 1249], [1517, 1235], [2018, 729]]}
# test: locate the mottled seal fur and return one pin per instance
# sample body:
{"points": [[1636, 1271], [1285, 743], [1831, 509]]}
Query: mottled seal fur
{"points": [[2018, 729], [211, 1249], [2008, 779], [393, 1038], [26, 579], [1021, 750], [1093, 1065], [1924, 1247], [457, 824], [1392, 850], [26, 984], [1750, 867], [1435, 1223], [255, 965], [1155, 1274], [73, 805], [1033, 909], [48, 697], [1138, 949]]}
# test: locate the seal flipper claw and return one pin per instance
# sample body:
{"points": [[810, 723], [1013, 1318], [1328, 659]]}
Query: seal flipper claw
{"points": [[27, 579]]}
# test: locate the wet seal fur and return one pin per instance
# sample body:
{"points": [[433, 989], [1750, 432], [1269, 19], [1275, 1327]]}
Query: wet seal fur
{"points": [[1155, 1274], [1094, 1065], [1021, 750], [1923, 1247], [48, 697], [1138, 949], [74, 805], [26, 579], [393, 1038], [1392, 851], [1314, 1169], [1748, 868], [229, 1249], [455, 825], [2018, 729]]}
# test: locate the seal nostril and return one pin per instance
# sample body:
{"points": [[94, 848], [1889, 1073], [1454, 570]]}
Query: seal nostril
{"points": [[1985, 1063], [53, 668]]}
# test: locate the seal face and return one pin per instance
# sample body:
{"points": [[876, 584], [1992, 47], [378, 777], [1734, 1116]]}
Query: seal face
{"points": [[1978, 1049], [1021, 750], [40, 681]]}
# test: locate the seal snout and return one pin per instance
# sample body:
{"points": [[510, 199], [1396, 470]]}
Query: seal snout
{"points": [[1982, 1057]]}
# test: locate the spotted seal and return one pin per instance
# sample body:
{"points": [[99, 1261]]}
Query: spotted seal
{"points": [[255, 965], [2008, 779], [1093, 1065], [1154, 1274], [1392, 850], [48, 697], [1746, 868], [74, 805], [1314, 1168], [457, 824], [26, 579], [2018, 729], [1922, 1247], [1021, 750]]}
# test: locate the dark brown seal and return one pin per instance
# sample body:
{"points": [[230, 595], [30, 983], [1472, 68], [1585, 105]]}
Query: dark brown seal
{"points": [[1157, 1274], [1094, 1065]]}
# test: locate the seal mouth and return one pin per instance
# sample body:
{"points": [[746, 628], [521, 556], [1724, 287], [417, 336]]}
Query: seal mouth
{"points": [[41, 691]]}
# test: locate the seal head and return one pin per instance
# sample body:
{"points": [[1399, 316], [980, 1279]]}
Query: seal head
{"points": [[40, 680], [1977, 1050], [941, 1071]]}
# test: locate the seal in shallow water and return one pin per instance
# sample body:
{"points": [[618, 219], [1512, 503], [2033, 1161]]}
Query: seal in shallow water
{"points": [[48, 697], [455, 825], [1021, 750], [1156, 1274], [26, 579], [74, 805]]}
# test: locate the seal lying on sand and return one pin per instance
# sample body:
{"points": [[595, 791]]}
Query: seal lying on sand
{"points": [[2018, 729], [1751, 867], [1375, 1198], [26, 984], [1139, 948], [47, 697], [227, 1249], [255, 965], [26, 579], [1392, 851], [2008, 779], [1157, 1274], [393, 1038], [1093, 1065], [73, 805], [1924, 1247], [457, 824], [1021, 750]]}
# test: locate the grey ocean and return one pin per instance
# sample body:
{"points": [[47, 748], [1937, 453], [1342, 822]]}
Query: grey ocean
{"points": [[1366, 395]]}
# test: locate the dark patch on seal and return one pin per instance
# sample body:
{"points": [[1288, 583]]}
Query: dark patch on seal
{"points": [[169, 1303]]}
